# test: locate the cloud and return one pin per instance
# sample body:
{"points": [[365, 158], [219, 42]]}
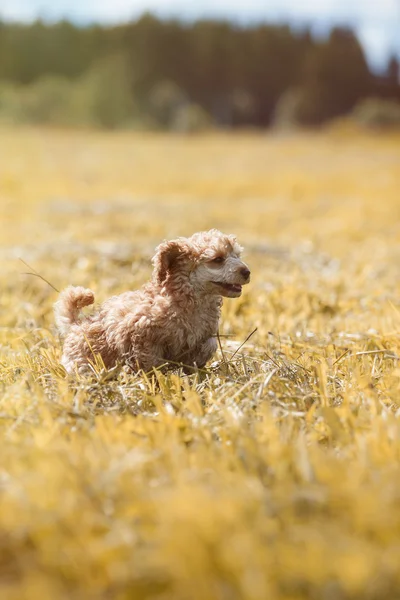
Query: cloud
{"points": [[117, 10]]}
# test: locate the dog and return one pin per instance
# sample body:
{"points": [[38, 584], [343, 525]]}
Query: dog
{"points": [[172, 320]]}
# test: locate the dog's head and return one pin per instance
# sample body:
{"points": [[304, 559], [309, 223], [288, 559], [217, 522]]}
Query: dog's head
{"points": [[207, 263]]}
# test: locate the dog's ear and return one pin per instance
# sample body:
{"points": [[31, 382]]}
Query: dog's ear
{"points": [[165, 258]]}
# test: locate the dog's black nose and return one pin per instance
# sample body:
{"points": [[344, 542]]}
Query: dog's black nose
{"points": [[245, 273]]}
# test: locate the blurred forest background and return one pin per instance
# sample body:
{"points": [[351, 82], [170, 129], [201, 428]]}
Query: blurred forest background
{"points": [[168, 75]]}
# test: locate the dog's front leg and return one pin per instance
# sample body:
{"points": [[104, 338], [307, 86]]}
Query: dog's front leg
{"points": [[205, 352]]}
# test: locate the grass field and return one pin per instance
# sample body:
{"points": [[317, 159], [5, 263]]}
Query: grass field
{"points": [[276, 475]]}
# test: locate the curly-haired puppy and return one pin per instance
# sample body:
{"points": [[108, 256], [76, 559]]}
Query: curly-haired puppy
{"points": [[172, 319]]}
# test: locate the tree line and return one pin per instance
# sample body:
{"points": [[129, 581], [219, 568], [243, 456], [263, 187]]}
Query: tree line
{"points": [[162, 72]]}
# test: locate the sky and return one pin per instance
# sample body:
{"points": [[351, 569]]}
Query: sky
{"points": [[377, 22]]}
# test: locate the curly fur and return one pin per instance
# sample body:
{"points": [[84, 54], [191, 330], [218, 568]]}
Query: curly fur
{"points": [[172, 319]]}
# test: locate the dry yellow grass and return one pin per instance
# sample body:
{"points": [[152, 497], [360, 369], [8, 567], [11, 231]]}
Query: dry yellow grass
{"points": [[274, 475]]}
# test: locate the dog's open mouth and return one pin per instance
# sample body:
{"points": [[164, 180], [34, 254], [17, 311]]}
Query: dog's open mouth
{"points": [[234, 288]]}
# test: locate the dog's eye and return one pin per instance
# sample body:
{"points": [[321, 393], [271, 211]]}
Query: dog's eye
{"points": [[218, 260]]}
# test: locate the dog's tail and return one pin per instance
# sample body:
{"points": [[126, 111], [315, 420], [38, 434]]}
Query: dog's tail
{"points": [[69, 305]]}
